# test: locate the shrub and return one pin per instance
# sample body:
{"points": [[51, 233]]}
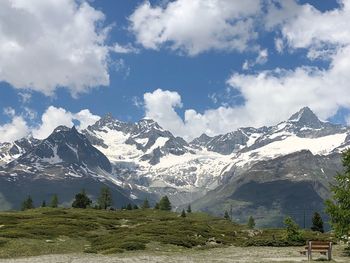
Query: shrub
{"points": [[292, 231], [133, 245]]}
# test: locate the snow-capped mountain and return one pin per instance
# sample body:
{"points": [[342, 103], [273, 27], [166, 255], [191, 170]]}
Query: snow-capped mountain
{"points": [[154, 160], [64, 163], [11, 151], [142, 158]]}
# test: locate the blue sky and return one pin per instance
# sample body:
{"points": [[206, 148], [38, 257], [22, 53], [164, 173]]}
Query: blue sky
{"points": [[200, 77]]}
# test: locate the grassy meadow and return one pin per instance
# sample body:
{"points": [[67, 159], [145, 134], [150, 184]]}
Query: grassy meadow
{"points": [[60, 230]]}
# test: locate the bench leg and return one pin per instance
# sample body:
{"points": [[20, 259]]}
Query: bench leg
{"points": [[329, 254]]}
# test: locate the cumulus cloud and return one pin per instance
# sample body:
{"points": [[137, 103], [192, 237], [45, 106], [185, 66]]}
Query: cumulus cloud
{"points": [[14, 130], [51, 118], [196, 26], [47, 44], [269, 97], [54, 117], [304, 26], [160, 105]]}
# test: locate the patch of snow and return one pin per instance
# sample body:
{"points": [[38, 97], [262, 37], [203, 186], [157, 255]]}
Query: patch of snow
{"points": [[252, 139], [117, 149], [160, 142], [74, 150], [142, 141], [322, 146], [54, 159]]}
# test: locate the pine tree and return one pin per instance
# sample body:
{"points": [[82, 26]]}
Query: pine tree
{"points": [[135, 207], [164, 204], [189, 209], [129, 207], [251, 223], [339, 207], [43, 204], [292, 230], [28, 203], [105, 199], [54, 201], [226, 215], [81, 200], [156, 206], [183, 214], [317, 223], [145, 204]]}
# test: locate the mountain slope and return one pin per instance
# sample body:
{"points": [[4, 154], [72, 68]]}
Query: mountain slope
{"points": [[11, 151], [64, 163]]}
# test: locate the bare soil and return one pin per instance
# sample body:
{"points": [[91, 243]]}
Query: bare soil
{"points": [[227, 254]]}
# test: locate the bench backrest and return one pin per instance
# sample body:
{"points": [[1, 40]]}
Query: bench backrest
{"points": [[326, 244]]}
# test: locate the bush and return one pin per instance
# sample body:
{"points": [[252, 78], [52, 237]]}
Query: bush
{"points": [[293, 233], [133, 245]]}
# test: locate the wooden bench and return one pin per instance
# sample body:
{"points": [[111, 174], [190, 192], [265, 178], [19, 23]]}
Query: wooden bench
{"points": [[322, 247]]}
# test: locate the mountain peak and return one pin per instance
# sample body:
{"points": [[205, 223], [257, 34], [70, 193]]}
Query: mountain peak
{"points": [[61, 128], [306, 117], [147, 123], [108, 118]]}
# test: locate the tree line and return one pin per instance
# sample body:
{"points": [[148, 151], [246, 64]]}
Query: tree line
{"points": [[81, 200], [104, 201]]}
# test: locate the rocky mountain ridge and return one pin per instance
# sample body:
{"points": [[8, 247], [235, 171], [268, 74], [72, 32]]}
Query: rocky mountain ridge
{"points": [[142, 159]]}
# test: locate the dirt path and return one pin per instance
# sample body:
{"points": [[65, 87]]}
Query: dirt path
{"points": [[229, 254]]}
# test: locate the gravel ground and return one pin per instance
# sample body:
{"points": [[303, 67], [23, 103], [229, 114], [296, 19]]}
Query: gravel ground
{"points": [[229, 254]]}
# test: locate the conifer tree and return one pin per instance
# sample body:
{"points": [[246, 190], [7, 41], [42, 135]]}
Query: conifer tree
{"points": [[105, 198], [317, 223], [251, 223], [156, 206], [135, 207], [81, 200], [339, 207], [226, 215], [28, 203], [292, 230], [54, 201], [129, 207], [164, 204], [43, 203], [145, 204], [183, 214], [189, 209]]}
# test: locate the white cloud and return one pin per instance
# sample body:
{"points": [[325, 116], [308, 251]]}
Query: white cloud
{"points": [[269, 97], [260, 59], [85, 118], [117, 48], [14, 130], [29, 113], [25, 97], [51, 118], [160, 106], [9, 111], [279, 45], [136, 101], [304, 26], [54, 117], [196, 26], [46, 44]]}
